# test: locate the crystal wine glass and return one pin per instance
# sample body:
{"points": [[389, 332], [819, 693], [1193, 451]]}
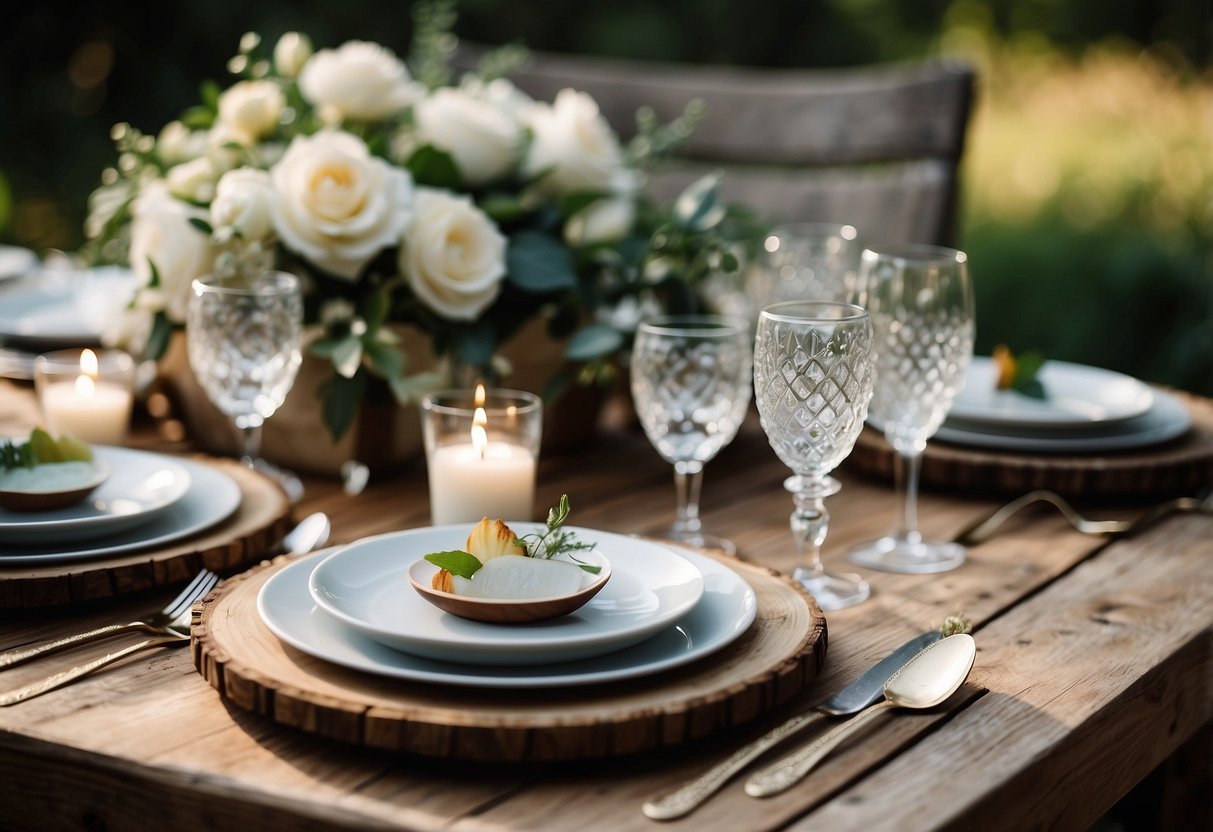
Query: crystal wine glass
{"points": [[244, 341], [691, 386], [921, 304], [804, 261], [813, 376]]}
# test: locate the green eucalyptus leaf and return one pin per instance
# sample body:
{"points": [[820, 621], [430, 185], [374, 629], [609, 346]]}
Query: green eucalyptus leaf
{"points": [[503, 208], [457, 562], [433, 167], [209, 91], [340, 400], [157, 340], [594, 341], [347, 355], [202, 225], [387, 362], [198, 118], [539, 263], [698, 207], [376, 306]]}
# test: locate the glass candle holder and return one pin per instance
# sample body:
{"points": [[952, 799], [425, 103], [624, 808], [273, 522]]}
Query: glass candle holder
{"points": [[481, 450], [87, 393]]}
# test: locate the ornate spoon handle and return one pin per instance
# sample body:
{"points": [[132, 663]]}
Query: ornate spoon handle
{"points": [[18, 655], [787, 772], [691, 795], [60, 679]]}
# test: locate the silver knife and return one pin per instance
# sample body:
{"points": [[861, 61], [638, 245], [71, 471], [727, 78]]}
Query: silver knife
{"points": [[856, 696]]}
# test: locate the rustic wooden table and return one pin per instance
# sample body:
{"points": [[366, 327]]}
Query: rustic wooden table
{"points": [[1095, 666]]}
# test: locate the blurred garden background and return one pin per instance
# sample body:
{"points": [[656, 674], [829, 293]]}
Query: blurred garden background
{"points": [[1088, 179]]}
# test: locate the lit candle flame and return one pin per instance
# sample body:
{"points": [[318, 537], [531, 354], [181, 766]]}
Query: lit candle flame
{"points": [[88, 364], [480, 437], [478, 396]]}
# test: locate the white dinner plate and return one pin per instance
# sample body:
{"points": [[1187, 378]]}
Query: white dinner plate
{"points": [[212, 497], [725, 611], [140, 486], [366, 587], [1077, 396], [1166, 419], [62, 306], [16, 262]]}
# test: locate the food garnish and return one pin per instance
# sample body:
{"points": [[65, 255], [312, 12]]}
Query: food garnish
{"points": [[41, 448], [1019, 373], [504, 561]]}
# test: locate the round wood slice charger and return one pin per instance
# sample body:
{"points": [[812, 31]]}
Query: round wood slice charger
{"points": [[780, 653]]}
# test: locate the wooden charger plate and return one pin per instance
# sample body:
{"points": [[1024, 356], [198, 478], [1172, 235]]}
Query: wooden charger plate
{"points": [[1183, 465], [243, 539], [779, 655]]}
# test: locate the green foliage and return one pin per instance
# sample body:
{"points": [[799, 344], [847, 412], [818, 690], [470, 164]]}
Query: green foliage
{"points": [[457, 562]]}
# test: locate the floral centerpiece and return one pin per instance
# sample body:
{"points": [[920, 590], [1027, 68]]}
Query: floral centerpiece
{"points": [[406, 197]]}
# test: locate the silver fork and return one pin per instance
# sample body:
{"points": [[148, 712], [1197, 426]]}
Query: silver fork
{"points": [[176, 631], [163, 623], [983, 529]]}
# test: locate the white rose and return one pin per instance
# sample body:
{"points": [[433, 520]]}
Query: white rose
{"points": [[291, 53], [501, 93], [251, 108], [243, 202], [177, 143], [194, 180], [452, 256], [483, 139], [359, 80], [225, 146], [574, 143], [337, 205], [161, 233]]}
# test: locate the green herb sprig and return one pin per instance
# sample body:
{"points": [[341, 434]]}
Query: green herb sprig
{"points": [[556, 541]]}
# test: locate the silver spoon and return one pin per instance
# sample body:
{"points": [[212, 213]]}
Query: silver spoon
{"points": [[311, 533], [924, 682]]}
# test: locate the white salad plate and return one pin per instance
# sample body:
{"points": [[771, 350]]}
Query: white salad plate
{"points": [[64, 307], [16, 262], [725, 611], [1166, 419], [365, 586], [211, 497], [140, 486], [1077, 396]]}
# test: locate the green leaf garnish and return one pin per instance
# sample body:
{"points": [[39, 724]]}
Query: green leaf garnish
{"points": [[456, 561], [556, 541]]}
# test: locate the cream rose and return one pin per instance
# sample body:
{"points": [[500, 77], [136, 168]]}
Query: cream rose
{"points": [[161, 233], [358, 80], [291, 53], [452, 255], [177, 143], [602, 221], [251, 108], [243, 202], [337, 205], [574, 144], [194, 180], [484, 140]]}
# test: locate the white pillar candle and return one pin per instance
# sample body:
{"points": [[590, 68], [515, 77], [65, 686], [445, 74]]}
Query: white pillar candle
{"points": [[92, 411], [466, 485]]}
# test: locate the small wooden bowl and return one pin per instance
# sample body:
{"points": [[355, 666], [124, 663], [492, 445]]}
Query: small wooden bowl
{"points": [[52, 499], [492, 611]]}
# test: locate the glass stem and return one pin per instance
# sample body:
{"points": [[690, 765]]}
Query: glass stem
{"points": [[251, 436], [906, 471], [688, 479], [810, 522]]}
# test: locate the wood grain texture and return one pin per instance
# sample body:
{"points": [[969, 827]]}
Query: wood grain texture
{"points": [[1181, 466], [774, 660], [256, 527]]}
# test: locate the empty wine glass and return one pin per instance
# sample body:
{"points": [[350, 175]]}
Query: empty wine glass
{"points": [[804, 261], [244, 341], [921, 304], [691, 386], [813, 377]]}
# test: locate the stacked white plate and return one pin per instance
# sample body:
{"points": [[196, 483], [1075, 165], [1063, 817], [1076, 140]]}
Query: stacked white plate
{"points": [[148, 500], [355, 608], [1085, 409]]}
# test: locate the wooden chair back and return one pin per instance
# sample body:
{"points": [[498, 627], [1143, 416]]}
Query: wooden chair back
{"points": [[876, 147]]}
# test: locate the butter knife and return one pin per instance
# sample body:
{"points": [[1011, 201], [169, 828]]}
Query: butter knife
{"points": [[864, 691]]}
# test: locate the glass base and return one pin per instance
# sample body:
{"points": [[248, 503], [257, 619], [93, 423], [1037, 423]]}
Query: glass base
{"points": [[907, 555], [833, 592], [700, 540]]}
